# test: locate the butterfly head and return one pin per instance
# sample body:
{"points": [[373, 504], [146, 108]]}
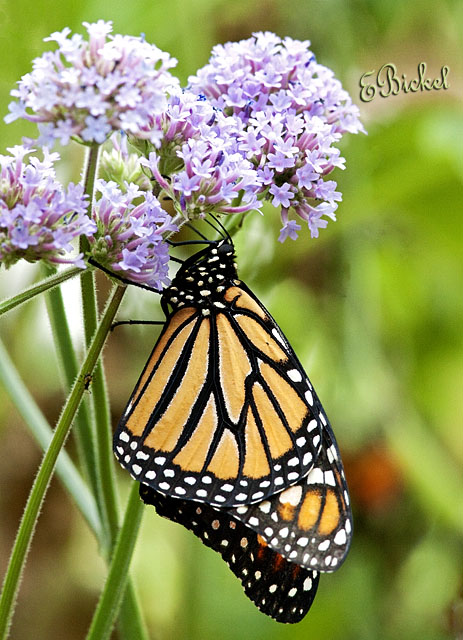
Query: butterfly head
{"points": [[202, 278]]}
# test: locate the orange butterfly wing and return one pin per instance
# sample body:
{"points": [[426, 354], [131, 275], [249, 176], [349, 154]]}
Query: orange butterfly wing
{"points": [[223, 412]]}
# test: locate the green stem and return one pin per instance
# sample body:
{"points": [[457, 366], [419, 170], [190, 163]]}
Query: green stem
{"points": [[106, 499], [83, 431], [105, 490], [104, 452], [39, 488], [35, 289], [91, 170], [102, 456], [111, 596], [131, 624], [88, 279], [40, 430]]}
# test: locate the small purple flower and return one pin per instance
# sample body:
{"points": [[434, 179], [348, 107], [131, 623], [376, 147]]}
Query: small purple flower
{"points": [[96, 130], [293, 112], [38, 218], [130, 237], [289, 230], [282, 196], [88, 89]]}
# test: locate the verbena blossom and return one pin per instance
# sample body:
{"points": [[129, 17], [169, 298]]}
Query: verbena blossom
{"points": [[186, 116], [293, 112], [131, 226], [198, 164], [39, 218], [88, 89]]}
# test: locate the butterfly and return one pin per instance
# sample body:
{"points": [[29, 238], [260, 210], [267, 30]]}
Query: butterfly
{"points": [[227, 437], [223, 412]]}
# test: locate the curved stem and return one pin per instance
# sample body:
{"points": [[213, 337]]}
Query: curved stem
{"points": [[40, 287], [42, 480]]}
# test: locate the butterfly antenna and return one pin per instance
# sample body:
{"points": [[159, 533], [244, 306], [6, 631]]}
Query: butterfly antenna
{"points": [[216, 229], [180, 243], [197, 231], [221, 230]]}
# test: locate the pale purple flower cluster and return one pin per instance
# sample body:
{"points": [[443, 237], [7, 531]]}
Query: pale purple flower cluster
{"points": [[88, 89], [38, 218], [199, 164], [129, 238], [260, 122], [293, 112]]}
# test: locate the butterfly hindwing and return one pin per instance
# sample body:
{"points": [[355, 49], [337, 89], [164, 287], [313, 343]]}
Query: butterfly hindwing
{"points": [[223, 412], [280, 589], [309, 523]]}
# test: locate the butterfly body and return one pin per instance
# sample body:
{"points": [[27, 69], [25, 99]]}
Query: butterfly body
{"points": [[201, 281], [223, 412]]}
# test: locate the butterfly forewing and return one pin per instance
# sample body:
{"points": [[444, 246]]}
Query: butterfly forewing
{"points": [[223, 412], [278, 588]]}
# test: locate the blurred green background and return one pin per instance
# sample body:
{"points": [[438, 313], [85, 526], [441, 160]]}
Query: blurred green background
{"points": [[373, 309]]}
